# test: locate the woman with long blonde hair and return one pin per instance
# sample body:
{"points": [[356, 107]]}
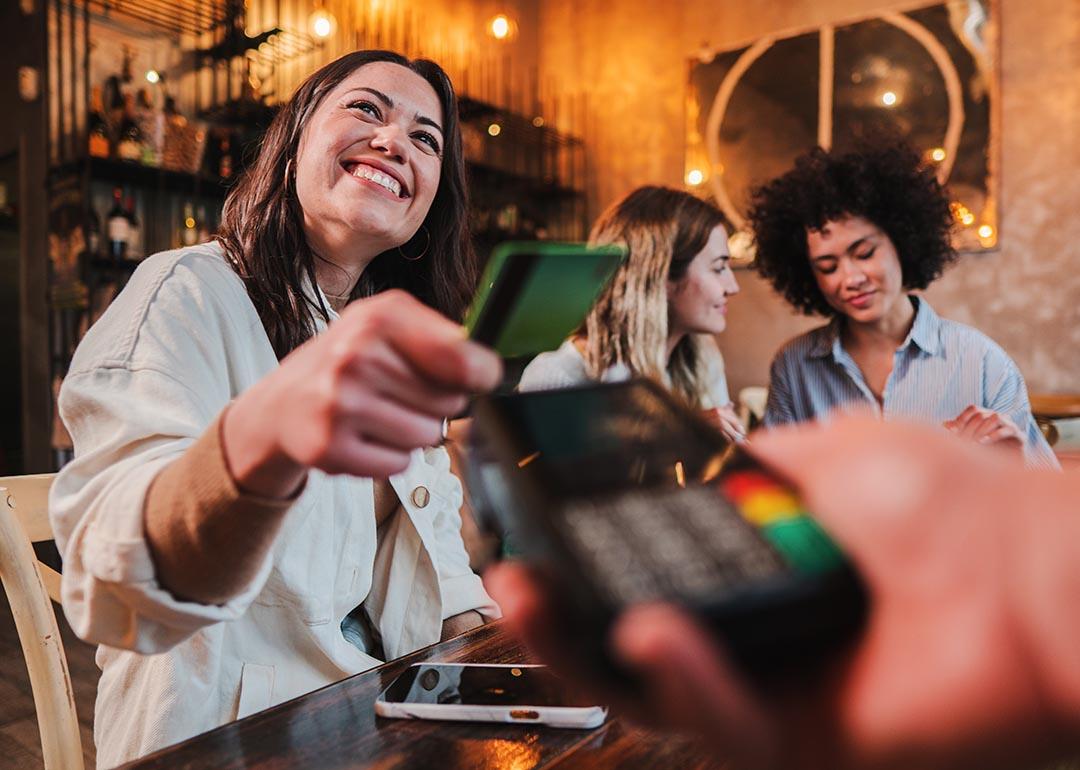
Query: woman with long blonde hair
{"points": [[658, 316]]}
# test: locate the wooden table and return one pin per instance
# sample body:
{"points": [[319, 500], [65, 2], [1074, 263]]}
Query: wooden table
{"points": [[1055, 406], [1046, 408], [336, 727]]}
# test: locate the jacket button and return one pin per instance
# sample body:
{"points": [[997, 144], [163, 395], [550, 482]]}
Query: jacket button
{"points": [[420, 497]]}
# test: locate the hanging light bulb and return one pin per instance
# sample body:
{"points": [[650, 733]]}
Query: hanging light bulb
{"points": [[502, 27], [322, 23]]}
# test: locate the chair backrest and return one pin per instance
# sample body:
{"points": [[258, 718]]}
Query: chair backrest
{"points": [[29, 584]]}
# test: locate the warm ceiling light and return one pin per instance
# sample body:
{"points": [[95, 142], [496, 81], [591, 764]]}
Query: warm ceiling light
{"points": [[322, 23], [695, 176], [494, 129], [937, 154], [888, 98], [500, 27], [152, 76]]}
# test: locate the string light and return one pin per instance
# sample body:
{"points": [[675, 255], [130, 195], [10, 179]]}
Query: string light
{"points": [[888, 98], [152, 76], [695, 177], [494, 129], [937, 154]]}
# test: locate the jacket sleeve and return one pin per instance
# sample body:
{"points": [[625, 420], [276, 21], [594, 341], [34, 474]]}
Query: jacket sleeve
{"points": [[461, 588], [148, 381]]}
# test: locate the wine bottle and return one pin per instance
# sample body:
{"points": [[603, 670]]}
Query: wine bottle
{"points": [[225, 167], [202, 226], [117, 226], [189, 231], [93, 231], [151, 122], [129, 143], [135, 243], [99, 141]]}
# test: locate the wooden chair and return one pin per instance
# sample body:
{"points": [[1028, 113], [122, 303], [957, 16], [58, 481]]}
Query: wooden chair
{"points": [[24, 519]]}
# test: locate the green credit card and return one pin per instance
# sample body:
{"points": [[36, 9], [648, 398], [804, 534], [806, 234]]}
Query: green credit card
{"points": [[533, 295]]}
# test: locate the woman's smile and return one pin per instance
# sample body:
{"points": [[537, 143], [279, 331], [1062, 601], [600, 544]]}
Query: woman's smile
{"points": [[378, 177]]}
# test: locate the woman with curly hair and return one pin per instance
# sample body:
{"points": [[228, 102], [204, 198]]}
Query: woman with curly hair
{"points": [[848, 236], [658, 315]]}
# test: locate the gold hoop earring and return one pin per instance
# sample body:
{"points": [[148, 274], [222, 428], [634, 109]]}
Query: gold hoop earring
{"points": [[419, 256]]}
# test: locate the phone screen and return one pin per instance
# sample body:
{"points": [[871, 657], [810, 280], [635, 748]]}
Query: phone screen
{"points": [[447, 684]]}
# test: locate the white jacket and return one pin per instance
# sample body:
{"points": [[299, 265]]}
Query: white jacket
{"points": [[173, 349]]}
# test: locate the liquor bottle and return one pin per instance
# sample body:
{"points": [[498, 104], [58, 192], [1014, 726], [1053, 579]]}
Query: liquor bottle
{"points": [[202, 226], [135, 243], [225, 166], [117, 226], [8, 215], [151, 123], [189, 231], [117, 86], [129, 138], [98, 128], [93, 230]]}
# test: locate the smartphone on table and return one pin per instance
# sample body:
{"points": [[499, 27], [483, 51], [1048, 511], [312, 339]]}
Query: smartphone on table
{"points": [[534, 294], [620, 494], [517, 693]]}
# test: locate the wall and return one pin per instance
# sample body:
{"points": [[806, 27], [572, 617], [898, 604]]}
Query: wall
{"points": [[631, 57]]}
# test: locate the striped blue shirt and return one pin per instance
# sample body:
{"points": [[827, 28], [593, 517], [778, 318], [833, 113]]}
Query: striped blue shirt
{"points": [[941, 368]]}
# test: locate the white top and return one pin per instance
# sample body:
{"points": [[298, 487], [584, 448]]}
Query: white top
{"points": [[566, 367], [172, 350]]}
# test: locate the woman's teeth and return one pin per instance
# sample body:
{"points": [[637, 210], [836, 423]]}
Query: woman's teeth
{"points": [[379, 178]]}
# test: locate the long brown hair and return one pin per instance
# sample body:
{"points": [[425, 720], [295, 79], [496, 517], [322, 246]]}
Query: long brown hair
{"points": [[664, 229], [261, 227]]}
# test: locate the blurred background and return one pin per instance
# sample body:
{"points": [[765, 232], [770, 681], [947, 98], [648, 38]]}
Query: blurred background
{"points": [[127, 121]]}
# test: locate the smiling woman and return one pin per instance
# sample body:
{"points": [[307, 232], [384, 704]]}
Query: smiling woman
{"points": [[255, 508], [368, 113]]}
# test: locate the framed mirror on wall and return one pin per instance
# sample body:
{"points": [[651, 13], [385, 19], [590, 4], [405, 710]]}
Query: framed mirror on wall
{"points": [[929, 74]]}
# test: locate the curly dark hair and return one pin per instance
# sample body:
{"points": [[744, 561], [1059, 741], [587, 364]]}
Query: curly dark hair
{"points": [[885, 183]]}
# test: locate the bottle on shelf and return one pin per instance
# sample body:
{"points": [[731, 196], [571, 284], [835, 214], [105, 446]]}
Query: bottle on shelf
{"points": [[135, 238], [151, 122], [117, 86], [127, 78], [8, 214], [93, 231], [129, 138], [189, 230], [100, 140], [118, 227], [203, 233], [225, 166]]}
